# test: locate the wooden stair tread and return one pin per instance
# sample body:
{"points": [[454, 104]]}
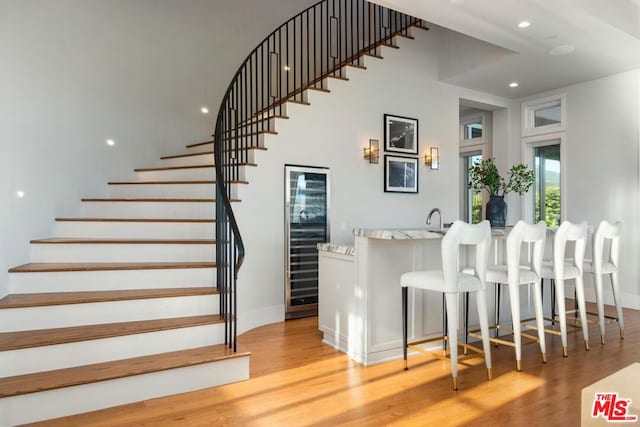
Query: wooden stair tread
{"points": [[179, 156], [134, 220], [43, 337], [49, 267], [264, 119], [198, 144], [89, 240], [154, 200], [208, 153], [49, 380], [236, 181], [159, 182], [63, 298], [168, 168]]}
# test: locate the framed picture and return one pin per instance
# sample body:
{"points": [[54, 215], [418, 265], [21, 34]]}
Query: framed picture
{"points": [[400, 134], [400, 174]]}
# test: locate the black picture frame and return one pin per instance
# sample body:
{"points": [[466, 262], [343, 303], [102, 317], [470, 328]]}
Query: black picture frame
{"points": [[400, 174], [400, 134]]}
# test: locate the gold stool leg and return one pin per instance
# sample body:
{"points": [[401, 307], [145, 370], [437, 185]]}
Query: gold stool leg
{"points": [[586, 345], [544, 357], [564, 352], [518, 365], [602, 339], [489, 374], [455, 383]]}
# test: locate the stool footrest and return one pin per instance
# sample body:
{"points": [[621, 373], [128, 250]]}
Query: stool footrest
{"points": [[442, 354], [530, 338]]}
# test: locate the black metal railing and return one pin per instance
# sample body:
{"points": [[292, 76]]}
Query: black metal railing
{"points": [[299, 55]]}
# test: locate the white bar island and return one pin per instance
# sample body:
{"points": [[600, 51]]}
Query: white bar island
{"points": [[359, 308]]}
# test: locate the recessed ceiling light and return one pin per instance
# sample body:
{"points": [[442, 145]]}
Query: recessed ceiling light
{"points": [[563, 49], [204, 110], [513, 84], [111, 142], [20, 194], [524, 24], [287, 68]]}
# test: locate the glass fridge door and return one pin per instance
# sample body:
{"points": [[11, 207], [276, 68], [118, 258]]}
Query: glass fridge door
{"points": [[306, 209]]}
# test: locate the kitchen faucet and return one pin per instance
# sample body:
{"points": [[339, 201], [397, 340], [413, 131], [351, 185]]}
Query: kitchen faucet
{"points": [[434, 210]]}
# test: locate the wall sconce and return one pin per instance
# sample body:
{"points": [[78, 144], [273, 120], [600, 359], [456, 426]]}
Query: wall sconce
{"points": [[433, 158], [372, 152]]}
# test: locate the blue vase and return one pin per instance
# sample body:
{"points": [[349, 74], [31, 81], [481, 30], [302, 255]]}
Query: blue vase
{"points": [[497, 211]]}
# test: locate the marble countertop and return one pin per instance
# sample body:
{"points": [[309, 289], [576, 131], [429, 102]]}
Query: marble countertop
{"points": [[337, 249], [413, 234], [397, 233]]}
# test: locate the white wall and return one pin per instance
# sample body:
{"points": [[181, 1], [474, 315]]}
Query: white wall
{"points": [[602, 163], [332, 132], [76, 72]]}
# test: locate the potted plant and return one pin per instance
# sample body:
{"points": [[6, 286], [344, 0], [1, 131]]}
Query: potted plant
{"points": [[484, 174]]}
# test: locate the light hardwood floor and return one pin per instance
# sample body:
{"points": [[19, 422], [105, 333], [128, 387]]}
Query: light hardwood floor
{"points": [[298, 381]]}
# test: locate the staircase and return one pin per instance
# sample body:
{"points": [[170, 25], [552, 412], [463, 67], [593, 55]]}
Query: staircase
{"points": [[120, 305], [136, 299]]}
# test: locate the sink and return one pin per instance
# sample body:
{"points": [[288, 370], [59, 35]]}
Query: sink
{"points": [[437, 230]]}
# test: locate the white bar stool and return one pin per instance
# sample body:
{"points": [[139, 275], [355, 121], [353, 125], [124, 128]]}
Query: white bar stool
{"points": [[452, 282], [599, 266], [514, 274], [561, 269]]}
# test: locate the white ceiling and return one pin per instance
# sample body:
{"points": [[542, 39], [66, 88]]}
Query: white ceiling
{"points": [[492, 51]]}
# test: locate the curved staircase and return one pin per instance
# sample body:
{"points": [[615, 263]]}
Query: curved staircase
{"points": [[119, 305], [136, 299]]}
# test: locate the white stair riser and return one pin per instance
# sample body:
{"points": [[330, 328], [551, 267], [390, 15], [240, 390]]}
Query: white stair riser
{"points": [[78, 281], [60, 356], [116, 252], [173, 191], [62, 316], [193, 174], [135, 230], [89, 397], [159, 210], [203, 159]]}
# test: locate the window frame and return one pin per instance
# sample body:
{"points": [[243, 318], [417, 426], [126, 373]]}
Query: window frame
{"points": [[467, 120], [464, 201], [529, 109], [528, 146]]}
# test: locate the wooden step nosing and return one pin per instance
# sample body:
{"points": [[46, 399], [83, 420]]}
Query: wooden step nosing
{"points": [[88, 267], [106, 330], [87, 297], [138, 220], [237, 181], [178, 156], [197, 144], [167, 168], [114, 241], [150, 200], [116, 369], [203, 182]]}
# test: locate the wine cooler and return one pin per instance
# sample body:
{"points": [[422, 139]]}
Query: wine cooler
{"points": [[306, 225]]}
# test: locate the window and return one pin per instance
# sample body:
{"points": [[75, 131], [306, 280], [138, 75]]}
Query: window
{"points": [[472, 199], [472, 129], [546, 190], [544, 115]]}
